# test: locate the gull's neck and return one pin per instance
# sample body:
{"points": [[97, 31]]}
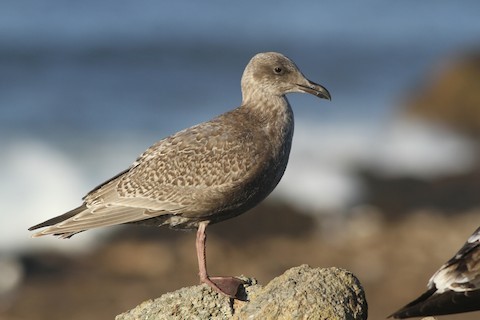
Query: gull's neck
{"points": [[274, 115]]}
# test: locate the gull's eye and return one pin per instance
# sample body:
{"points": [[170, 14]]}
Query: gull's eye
{"points": [[278, 70]]}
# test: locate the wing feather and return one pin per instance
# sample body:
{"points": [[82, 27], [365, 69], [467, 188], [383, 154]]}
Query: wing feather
{"points": [[188, 173]]}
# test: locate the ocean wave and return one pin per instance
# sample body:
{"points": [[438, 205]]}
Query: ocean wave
{"points": [[38, 182]]}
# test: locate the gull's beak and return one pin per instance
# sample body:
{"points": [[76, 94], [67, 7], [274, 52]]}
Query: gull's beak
{"points": [[315, 89]]}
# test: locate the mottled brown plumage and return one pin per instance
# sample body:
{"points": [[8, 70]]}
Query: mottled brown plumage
{"points": [[209, 172]]}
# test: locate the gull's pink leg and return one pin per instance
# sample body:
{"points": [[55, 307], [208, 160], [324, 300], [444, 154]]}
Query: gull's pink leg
{"points": [[225, 285]]}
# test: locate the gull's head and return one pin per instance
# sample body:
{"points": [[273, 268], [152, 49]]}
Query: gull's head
{"points": [[273, 74]]}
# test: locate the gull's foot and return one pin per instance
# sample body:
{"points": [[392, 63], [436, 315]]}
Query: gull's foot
{"points": [[229, 286]]}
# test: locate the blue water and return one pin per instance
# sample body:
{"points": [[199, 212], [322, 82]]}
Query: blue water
{"points": [[86, 86], [143, 65]]}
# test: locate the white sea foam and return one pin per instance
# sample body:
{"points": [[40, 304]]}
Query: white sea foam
{"points": [[321, 172], [38, 182], [418, 149]]}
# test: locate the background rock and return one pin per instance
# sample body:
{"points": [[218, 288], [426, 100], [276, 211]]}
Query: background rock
{"points": [[452, 95], [393, 259]]}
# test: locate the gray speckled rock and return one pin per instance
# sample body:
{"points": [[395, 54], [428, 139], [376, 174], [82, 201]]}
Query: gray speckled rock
{"points": [[198, 302], [300, 293], [306, 293]]}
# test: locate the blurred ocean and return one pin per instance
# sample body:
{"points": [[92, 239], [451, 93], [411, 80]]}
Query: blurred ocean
{"points": [[86, 86]]}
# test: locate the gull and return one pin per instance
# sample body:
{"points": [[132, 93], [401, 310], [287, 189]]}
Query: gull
{"points": [[207, 173], [454, 288]]}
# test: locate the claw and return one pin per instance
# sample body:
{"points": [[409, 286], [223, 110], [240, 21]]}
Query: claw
{"points": [[230, 286]]}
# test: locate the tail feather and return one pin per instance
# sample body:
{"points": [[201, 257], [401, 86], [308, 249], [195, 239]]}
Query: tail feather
{"points": [[59, 218], [436, 304], [411, 309], [84, 218]]}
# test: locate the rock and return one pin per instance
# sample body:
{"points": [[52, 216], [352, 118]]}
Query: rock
{"points": [[197, 302], [452, 95], [306, 293], [300, 293], [449, 194]]}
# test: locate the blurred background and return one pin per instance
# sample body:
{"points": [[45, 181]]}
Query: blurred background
{"points": [[383, 180]]}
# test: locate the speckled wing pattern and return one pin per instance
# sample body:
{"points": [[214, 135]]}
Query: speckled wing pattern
{"points": [[188, 173], [462, 272], [454, 288]]}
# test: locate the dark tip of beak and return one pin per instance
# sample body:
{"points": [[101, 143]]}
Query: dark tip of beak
{"points": [[316, 90]]}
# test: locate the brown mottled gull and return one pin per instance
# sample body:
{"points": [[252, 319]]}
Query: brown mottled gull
{"points": [[454, 288], [207, 173]]}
